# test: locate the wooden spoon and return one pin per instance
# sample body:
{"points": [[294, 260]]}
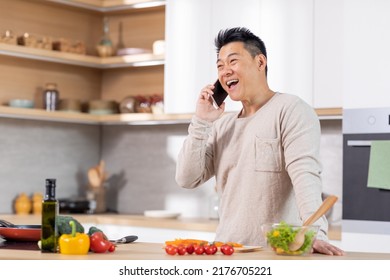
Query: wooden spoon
{"points": [[94, 178], [300, 236]]}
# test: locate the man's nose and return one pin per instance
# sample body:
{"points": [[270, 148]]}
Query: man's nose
{"points": [[227, 71]]}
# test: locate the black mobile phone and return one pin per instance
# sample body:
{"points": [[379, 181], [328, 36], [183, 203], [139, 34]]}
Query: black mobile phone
{"points": [[219, 94]]}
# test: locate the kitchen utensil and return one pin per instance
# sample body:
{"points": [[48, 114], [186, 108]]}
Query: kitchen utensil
{"points": [[125, 240], [5, 223], [21, 232], [94, 177], [101, 170], [300, 236]]}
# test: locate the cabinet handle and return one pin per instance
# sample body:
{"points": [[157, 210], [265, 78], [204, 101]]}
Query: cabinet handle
{"points": [[358, 143]]}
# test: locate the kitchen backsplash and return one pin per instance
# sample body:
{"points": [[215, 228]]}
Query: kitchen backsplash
{"points": [[31, 151], [140, 162]]}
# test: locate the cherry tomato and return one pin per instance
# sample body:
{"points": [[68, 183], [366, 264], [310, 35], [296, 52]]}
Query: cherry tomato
{"points": [[98, 243], [210, 249], [181, 250], [227, 249], [171, 250], [112, 248], [199, 249], [190, 249]]}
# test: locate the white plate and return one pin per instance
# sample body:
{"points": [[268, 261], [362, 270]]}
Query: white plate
{"points": [[247, 249], [161, 214], [132, 51]]}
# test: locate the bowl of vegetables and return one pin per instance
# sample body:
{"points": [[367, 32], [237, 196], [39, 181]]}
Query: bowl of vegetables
{"points": [[281, 236]]}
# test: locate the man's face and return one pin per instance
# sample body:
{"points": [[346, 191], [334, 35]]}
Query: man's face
{"points": [[237, 70]]}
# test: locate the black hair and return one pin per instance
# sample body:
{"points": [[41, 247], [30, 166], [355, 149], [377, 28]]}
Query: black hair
{"points": [[253, 44]]}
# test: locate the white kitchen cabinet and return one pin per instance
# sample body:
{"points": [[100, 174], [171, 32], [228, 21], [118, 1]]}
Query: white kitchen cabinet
{"points": [[191, 25], [366, 54], [190, 60], [328, 54], [287, 30]]}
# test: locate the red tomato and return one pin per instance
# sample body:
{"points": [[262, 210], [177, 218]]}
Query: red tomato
{"points": [[181, 250], [171, 250], [98, 243], [227, 249], [190, 249], [210, 249], [199, 249], [112, 248]]}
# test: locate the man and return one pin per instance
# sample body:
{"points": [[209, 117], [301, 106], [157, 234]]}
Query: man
{"points": [[264, 158]]}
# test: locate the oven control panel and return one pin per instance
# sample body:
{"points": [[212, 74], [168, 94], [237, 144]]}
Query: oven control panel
{"points": [[367, 120]]}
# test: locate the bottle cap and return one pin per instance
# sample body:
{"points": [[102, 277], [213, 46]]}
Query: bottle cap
{"points": [[50, 189]]}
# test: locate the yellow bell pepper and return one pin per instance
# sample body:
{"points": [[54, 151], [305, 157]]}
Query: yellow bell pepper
{"points": [[74, 243]]}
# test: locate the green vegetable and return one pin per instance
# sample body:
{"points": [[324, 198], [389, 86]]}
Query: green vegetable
{"points": [[63, 226], [281, 236], [92, 230]]}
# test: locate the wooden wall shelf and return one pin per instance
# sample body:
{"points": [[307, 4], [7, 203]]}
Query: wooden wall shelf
{"points": [[120, 119], [81, 60], [85, 118], [105, 6]]}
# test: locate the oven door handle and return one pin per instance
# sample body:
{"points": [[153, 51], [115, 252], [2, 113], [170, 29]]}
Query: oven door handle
{"points": [[358, 143]]}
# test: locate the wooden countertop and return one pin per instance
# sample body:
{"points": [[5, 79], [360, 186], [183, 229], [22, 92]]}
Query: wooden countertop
{"points": [[194, 224], [154, 251]]}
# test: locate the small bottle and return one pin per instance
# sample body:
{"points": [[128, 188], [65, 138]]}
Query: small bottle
{"points": [[50, 97], [105, 47], [49, 215]]}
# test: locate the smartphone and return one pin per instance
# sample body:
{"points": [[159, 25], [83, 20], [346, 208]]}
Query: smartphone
{"points": [[219, 94]]}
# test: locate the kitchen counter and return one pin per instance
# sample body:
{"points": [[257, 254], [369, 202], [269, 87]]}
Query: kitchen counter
{"points": [[193, 224], [154, 251]]}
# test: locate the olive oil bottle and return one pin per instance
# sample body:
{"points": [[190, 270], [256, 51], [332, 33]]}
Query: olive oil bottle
{"points": [[49, 215]]}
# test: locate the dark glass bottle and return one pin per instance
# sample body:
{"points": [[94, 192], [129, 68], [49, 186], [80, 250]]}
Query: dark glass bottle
{"points": [[49, 215]]}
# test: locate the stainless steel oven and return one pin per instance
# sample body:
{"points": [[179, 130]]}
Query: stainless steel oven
{"points": [[360, 128], [366, 211]]}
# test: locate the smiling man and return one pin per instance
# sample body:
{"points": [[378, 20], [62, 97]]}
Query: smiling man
{"points": [[265, 158]]}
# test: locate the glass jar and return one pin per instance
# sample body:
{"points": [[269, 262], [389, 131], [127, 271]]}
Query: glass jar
{"points": [[51, 97]]}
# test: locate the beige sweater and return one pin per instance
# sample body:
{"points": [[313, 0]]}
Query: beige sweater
{"points": [[266, 167]]}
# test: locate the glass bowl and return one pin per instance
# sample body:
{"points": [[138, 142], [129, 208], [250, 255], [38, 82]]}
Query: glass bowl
{"points": [[280, 235]]}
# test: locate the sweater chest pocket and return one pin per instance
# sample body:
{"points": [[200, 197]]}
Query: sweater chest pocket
{"points": [[268, 155]]}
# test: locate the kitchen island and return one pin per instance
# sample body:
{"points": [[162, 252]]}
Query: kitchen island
{"points": [[155, 251], [183, 224]]}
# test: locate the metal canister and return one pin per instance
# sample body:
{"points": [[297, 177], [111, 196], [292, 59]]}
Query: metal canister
{"points": [[51, 97]]}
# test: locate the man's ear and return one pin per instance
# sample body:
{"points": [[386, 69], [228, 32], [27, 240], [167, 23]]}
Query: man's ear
{"points": [[261, 61]]}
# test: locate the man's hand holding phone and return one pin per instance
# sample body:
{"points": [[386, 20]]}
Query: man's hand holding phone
{"points": [[207, 107]]}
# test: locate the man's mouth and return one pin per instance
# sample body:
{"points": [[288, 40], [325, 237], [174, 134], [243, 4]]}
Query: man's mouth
{"points": [[231, 83]]}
